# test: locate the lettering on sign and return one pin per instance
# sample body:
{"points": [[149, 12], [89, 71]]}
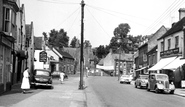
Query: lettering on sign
{"points": [[43, 56]]}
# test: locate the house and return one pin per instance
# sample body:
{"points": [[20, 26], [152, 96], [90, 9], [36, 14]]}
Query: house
{"points": [[147, 54], [113, 61], [29, 45], [12, 34], [171, 52]]}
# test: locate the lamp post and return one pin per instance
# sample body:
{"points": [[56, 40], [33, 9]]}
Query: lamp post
{"points": [[119, 41]]}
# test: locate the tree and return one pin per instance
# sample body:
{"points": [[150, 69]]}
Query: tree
{"points": [[57, 38], [102, 51], [74, 42], [87, 44], [120, 32]]}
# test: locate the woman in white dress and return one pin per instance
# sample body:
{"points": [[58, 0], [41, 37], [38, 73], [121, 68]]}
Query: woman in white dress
{"points": [[25, 81]]}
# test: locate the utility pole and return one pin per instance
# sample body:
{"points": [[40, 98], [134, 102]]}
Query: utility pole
{"points": [[81, 85]]}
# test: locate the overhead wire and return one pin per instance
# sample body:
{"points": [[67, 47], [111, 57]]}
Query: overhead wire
{"points": [[97, 21], [74, 21], [117, 16], [56, 2], [68, 17], [165, 14]]}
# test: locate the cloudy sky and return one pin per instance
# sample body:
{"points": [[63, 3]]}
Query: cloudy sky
{"points": [[101, 17]]}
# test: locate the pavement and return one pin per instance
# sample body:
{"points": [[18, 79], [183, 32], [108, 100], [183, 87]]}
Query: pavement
{"points": [[67, 95]]}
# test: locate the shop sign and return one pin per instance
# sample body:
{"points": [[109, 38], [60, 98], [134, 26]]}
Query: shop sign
{"points": [[6, 42], [43, 56], [169, 52]]}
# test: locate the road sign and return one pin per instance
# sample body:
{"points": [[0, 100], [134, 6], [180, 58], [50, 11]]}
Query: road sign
{"points": [[43, 56]]}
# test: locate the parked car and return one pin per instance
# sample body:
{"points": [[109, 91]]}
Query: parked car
{"points": [[160, 83], [141, 81], [42, 77], [126, 79]]}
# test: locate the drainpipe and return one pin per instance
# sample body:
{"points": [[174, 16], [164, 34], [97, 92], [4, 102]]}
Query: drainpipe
{"points": [[183, 42]]}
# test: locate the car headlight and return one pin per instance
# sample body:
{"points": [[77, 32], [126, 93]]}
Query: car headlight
{"points": [[159, 82]]}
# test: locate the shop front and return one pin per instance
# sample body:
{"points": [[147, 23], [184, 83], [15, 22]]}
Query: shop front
{"points": [[6, 46]]}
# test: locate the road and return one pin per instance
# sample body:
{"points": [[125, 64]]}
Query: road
{"points": [[113, 94]]}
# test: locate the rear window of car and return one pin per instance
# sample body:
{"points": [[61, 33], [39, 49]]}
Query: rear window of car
{"points": [[42, 73]]}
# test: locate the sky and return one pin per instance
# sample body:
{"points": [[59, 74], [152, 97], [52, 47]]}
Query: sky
{"points": [[101, 17]]}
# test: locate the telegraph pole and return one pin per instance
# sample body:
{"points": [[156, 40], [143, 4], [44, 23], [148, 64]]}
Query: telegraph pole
{"points": [[81, 85]]}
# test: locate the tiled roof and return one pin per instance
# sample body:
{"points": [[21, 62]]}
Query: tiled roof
{"points": [[176, 28], [38, 43], [65, 54]]}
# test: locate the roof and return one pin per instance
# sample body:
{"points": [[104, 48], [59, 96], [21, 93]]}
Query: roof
{"points": [[65, 54], [176, 28], [38, 43]]}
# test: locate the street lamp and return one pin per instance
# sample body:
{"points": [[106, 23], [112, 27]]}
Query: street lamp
{"points": [[119, 43]]}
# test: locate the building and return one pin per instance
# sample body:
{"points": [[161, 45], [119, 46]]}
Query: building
{"points": [[8, 36], [171, 50], [147, 54]]}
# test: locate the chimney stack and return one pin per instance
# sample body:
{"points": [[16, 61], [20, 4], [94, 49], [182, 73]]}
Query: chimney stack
{"points": [[181, 13]]}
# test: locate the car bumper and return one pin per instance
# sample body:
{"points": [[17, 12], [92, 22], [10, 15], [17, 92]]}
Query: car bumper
{"points": [[126, 81], [143, 84], [41, 84]]}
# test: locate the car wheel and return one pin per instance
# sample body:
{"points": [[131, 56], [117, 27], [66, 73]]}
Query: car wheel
{"points": [[156, 89], [172, 91], [135, 85], [148, 89], [140, 86]]}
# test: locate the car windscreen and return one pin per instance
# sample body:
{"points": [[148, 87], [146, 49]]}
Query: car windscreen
{"points": [[42, 73], [162, 77], [144, 76]]}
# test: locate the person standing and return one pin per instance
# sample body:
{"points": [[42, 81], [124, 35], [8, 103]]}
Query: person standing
{"points": [[61, 77], [25, 81]]}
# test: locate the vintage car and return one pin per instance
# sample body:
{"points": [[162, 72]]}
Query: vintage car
{"points": [[126, 79], [160, 83], [141, 81], [42, 77]]}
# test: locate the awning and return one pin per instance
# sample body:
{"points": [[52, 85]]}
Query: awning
{"points": [[162, 63], [105, 67], [175, 64], [140, 69]]}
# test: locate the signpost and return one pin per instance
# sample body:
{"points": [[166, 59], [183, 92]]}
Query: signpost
{"points": [[43, 56]]}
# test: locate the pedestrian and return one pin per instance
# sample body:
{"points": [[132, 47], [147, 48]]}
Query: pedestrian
{"points": [[61, 77], [25, 81]]}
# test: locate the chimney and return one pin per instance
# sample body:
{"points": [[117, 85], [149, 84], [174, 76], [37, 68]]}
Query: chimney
{"points": [[181, 13]]}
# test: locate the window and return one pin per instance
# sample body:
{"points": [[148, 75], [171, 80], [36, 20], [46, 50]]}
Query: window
{"points": [[13, 18], [144, 57], [162, 46], [176, 41], [6, 19], [169, 43]]}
